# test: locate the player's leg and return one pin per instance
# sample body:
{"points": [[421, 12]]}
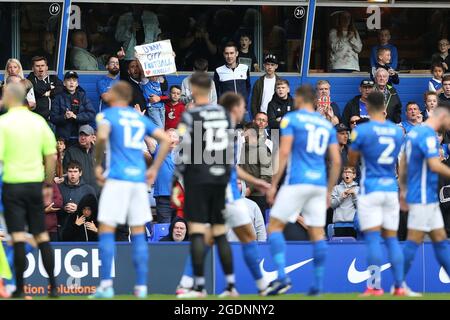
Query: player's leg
{"points": [[238, 218], [391, 220], [314, 213], [288, 204], [18, 239], [48, 260], [417, 226], [439, 238], [197, 236], [138, 215], [370, 219], [219, 232]]}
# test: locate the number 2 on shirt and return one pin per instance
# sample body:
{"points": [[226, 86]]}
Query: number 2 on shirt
{"points": [[385, 157]]}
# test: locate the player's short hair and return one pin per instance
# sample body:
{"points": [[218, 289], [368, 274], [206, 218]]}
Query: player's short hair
{"points": [[353, 169], [429, 93], [281, 82], [306, 92], [321, 82], [230, 44], [175, 86], [123, 90], [201, 80], [15, 90], [201, 65], [229, 100], [74, 164], [446, 78], [436, 65], [375, 101], [38, 58], [380, 51]]}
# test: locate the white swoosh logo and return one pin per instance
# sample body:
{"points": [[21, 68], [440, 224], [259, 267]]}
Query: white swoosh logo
{"points": [[270, 276], [443, 276], [355, 276]]}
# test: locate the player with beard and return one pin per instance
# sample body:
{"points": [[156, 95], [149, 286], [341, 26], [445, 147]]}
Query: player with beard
{"points": [[107, 81]]}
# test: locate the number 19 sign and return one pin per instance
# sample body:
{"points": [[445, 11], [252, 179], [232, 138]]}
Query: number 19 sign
{"points": [[156, 58]]}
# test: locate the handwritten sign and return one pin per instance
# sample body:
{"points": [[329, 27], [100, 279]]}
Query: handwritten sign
{"points": [[156, 58]]}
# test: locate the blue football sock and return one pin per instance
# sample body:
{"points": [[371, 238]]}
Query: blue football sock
{"points": [[374, 253], [442, 254], [278, 251], [252, 258], [409, 253], [320, 249], [140, 258], [396, 259], [106, 248]]}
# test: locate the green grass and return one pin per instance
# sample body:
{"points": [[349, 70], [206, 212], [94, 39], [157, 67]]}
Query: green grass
{"points": [[346, 296]]}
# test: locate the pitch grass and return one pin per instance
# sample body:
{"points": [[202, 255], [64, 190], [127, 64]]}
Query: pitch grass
{"points": [[345, 296]]}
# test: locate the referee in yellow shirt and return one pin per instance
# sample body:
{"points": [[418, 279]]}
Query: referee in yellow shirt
{"points": [[27, 157]]}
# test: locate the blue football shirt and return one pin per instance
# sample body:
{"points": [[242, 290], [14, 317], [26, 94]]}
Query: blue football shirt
{"points": [[312, 135], [103, 85], [379, 144], [124, 155], [422, 183]]}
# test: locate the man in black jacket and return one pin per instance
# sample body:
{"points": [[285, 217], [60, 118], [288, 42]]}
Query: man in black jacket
{"points": [[281, 104], [391, 97], [357, 105], [45, 86], [71, 109]]}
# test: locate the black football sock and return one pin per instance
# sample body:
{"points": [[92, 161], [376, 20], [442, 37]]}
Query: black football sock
{"points": [[19, 264], [48, 261], [198, 259], [226, 257]]}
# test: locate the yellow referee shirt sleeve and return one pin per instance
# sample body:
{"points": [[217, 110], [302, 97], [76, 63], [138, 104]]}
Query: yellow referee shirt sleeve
{"points": [[49, 141], [2, 142]]}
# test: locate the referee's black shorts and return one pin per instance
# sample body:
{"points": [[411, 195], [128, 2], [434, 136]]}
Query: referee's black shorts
{"points": [[24, 207], [204, 203]]}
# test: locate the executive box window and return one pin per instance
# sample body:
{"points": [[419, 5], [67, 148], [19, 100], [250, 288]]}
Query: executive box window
{"points": [[29, 29], [196, 31], [414, 31]]}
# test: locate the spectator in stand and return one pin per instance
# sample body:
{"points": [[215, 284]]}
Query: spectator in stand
{"points": [[443, 147], [444, 97], [246, 54], [442, 56], [256, 159], [345, 45], [46, 87], [60, 151], [163, 183], [413, 117], [79, 57], [391, 97], [52, 204], [73, 190], [174, 108], [233, 76], [384, 36], [262, 122], [327, 108], [343, 201], [82, 225], [83, 152], [105, 82], [71, 109], [342, 138], [357, 105], [136, 27], [264, 87], [354, 121], [200, 65], [435, 84], [431, 102], [384, 62], [14, 74], [178, 231], [280, 104]]}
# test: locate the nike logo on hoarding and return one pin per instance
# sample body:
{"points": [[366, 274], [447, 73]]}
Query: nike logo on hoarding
{"points": [[443, 276], [270, 276], [355, 276]]}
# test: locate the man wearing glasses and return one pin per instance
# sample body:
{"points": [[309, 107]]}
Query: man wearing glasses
{"points": [[357, 105], [262, 122], [107, 81]]}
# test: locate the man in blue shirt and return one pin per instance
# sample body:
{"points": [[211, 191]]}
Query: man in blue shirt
{"points": [[420, 167], [306, 136], [104, 83], [413, 117], [378, 143], [124, 199]]}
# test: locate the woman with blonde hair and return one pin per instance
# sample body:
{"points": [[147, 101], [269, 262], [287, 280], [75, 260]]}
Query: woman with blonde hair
{"points": [[13, 68], [14, 73]]}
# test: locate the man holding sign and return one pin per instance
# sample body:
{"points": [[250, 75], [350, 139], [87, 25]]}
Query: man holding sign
{"points": [[156, 59]]}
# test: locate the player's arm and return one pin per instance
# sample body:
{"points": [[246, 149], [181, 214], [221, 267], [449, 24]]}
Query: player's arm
{"points": [[402, 173], [335, 168], [353, 158], [50, 168], [438, 167], [164, 145], [260, 184], [283, 154], [103, 130]]}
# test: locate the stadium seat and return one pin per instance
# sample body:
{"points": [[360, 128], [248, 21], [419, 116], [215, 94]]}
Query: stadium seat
{"points": [[159, 230], [343, 239], [332, 226]]}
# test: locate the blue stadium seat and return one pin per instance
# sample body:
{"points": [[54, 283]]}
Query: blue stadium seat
{"points": [[332, 226], [343, 239], [159, 230]]}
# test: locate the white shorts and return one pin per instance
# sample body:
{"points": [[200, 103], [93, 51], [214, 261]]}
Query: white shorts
{"points": [[309, 200], [425, 217], [124, 202], [379, 209], [236, 214]]}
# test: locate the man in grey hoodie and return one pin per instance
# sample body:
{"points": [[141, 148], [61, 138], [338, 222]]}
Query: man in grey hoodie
{"points": [[343, 197]]}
